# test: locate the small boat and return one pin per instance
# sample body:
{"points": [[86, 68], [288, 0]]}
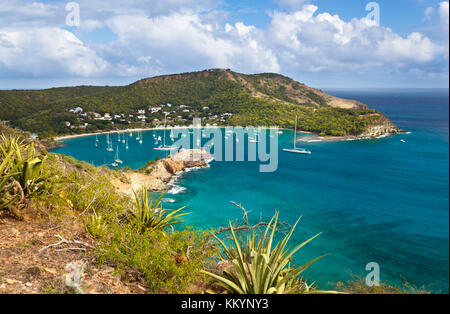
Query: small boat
{"points": [[117, 160], [297, 150], [164, 147], [403, 141], [126, 145], [114, 164], [254, 140], [108, 142]]}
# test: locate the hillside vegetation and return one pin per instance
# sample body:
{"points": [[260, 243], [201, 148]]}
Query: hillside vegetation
{"points": [[256, 100], [64, 228]]}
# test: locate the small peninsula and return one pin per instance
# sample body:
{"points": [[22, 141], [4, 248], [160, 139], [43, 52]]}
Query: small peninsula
{"points": [[157, 175]]}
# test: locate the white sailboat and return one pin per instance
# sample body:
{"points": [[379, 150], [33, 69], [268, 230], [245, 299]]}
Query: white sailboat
{"points": [[164, 146], [126, 144], [254, 140], [297, 150], [96, 140], [108, 142], [118, 160]]}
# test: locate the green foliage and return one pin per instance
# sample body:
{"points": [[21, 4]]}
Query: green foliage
{"points": [[7, 192], [21, 175], [46, 111], [85, 187], [170, 263], [258, 266], [358, 286], [152, 215], [95, 225], [29, 164]]}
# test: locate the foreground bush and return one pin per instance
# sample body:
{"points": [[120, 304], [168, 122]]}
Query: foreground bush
{"points": [[150, 214], [358, 286], [21, 173], [169, 262], [259, 266]]}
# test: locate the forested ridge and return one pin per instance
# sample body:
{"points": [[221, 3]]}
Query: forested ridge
{"points": [[258, 100]]}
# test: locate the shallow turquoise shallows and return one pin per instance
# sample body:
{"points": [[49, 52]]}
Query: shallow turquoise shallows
{"points": [[383, 200]]}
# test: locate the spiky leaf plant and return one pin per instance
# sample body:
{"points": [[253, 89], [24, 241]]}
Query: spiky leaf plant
{"points": [[151, 215], [259, 267], [95, 225], [7, 184], [28, 162]]}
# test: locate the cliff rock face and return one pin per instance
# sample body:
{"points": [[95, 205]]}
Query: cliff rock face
{"points": [[383, 127], [162, 172]]}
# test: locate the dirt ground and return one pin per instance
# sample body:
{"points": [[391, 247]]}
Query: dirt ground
{"points": [[29, 264]]}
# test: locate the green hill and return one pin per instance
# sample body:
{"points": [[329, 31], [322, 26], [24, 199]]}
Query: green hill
{"points": [[258, 100]]}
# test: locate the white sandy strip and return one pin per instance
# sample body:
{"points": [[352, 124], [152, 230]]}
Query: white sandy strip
{"points": [[67, 137]]}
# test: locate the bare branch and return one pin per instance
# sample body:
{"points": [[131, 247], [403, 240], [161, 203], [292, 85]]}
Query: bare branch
{"points": [[245, 227], [64, 241]]}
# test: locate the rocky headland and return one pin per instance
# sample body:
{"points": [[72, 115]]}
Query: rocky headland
{"points": [[157, 175]]}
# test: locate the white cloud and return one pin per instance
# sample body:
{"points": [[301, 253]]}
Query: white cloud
{"points": [[428, 13], [46, 52], [322, 41], [185, 41], [293, 4], [157, 36], [443, 14]]}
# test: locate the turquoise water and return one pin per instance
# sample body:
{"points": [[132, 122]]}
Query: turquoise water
{"points": [[378, 201]]}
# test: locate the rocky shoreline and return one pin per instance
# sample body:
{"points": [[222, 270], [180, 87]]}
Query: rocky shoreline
{"points": [[158, 175]]}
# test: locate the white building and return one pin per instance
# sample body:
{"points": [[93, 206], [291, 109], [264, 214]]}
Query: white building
{"points": [[76, 110]]}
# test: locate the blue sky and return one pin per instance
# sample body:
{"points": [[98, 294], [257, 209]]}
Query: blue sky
{"points": [[323, 43]]}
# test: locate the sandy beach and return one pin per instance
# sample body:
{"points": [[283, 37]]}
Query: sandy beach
{"points": [[67, 137]]}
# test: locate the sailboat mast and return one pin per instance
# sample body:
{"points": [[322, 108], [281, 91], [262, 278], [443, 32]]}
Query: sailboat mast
{"points": [[165, 125], [295, 133]]}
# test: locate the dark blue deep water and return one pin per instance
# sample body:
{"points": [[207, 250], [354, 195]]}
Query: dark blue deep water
{"points": [[380, 200]]}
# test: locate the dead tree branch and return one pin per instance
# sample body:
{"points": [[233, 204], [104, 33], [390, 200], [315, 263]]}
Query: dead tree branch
{"points": [[65, 241], [245, 227]]}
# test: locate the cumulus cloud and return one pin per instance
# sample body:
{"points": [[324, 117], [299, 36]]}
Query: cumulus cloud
{"points": [[443, 14], [155, 37], [185, 41], [292, 4], [324, 41], [46, 52]]}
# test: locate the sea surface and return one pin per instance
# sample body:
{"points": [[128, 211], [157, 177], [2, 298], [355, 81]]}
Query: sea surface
{"points": [[383, 200]]}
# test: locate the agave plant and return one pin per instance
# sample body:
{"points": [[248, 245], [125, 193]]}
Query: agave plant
{"points": [[258, 267], [151, 215], [7, 171], [28, 163], [95, 225]]}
